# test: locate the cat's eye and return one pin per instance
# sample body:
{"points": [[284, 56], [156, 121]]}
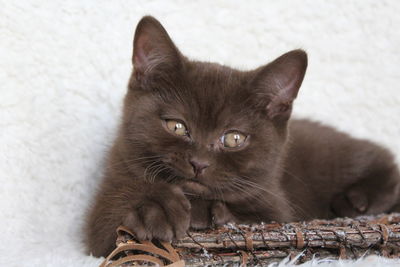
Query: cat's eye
{"points": [[233, 139], [177, 127]]}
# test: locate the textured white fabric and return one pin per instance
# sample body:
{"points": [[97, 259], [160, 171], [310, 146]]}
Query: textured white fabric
{"points": [[64, 67]]}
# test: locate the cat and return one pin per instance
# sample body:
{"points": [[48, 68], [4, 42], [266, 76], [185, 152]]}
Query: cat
{"points": [[202, 144]]}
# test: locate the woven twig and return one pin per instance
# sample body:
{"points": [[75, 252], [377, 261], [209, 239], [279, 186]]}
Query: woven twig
{"points": [[235, 244]]}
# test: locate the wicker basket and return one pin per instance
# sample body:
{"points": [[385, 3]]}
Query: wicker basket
{"points": [[261, 244]]}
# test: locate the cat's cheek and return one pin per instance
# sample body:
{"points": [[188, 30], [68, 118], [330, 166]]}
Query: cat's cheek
{"points": [[180, 167]]}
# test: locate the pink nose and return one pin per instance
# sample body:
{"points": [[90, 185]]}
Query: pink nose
{"points": [[198, 166]]}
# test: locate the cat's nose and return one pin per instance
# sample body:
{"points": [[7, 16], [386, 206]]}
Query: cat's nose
{"points": [[198, 166]]}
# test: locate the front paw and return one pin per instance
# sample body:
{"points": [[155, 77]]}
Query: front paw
{"points": [[209, 213], [163, 213], [221, 214]]}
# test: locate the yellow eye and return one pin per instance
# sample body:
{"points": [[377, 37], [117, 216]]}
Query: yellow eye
{"points": [[177, 127], [233, 139]]}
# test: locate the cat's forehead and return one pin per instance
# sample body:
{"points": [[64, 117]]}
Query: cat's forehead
{"points": [[214, 96], [214, 79]]}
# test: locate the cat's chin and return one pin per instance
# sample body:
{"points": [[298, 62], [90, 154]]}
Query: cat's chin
{"points": [[194, 188]]}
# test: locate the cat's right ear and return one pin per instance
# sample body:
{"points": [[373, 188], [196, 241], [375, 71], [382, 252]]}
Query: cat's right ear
{"points": [[153, 50], [280, 81]]}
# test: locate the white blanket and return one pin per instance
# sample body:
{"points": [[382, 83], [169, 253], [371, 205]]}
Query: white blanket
{"points": [[64, 67]]}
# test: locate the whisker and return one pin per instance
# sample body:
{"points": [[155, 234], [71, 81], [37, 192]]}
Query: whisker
{"points": [[142, 160], [149, 168], [290, 204], [158, 171]]}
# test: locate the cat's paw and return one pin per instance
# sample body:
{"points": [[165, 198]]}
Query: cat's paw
{"points": [[221, 214], [162, 214], [352, 203], [209, 213]]}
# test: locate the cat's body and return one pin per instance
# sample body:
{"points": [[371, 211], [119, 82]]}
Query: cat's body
{"points": [[325, 165], [203, 144]]}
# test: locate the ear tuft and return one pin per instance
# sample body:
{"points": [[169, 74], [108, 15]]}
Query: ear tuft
{"points": [[281, 79]]}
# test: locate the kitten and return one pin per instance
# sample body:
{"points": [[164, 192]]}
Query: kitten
{"points": [[203, 144]]}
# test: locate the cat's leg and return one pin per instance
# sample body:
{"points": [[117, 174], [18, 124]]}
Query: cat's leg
{"points": [[375, 193], [200, 217], [151, 210]]}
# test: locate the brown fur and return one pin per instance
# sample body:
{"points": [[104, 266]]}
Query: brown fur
{"points": [[286, 170]]}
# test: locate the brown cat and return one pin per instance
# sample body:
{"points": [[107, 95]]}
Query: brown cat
{"points": [[203, 144]]}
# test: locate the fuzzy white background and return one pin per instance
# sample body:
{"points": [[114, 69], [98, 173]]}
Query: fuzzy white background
{"points": [[64, 67]]}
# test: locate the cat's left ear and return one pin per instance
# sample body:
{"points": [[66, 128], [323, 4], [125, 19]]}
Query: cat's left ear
{"points": [[154, 52], [280, 82]]}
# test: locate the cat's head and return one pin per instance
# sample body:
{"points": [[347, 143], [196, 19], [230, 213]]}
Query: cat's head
{"points": [[204, 122]]}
